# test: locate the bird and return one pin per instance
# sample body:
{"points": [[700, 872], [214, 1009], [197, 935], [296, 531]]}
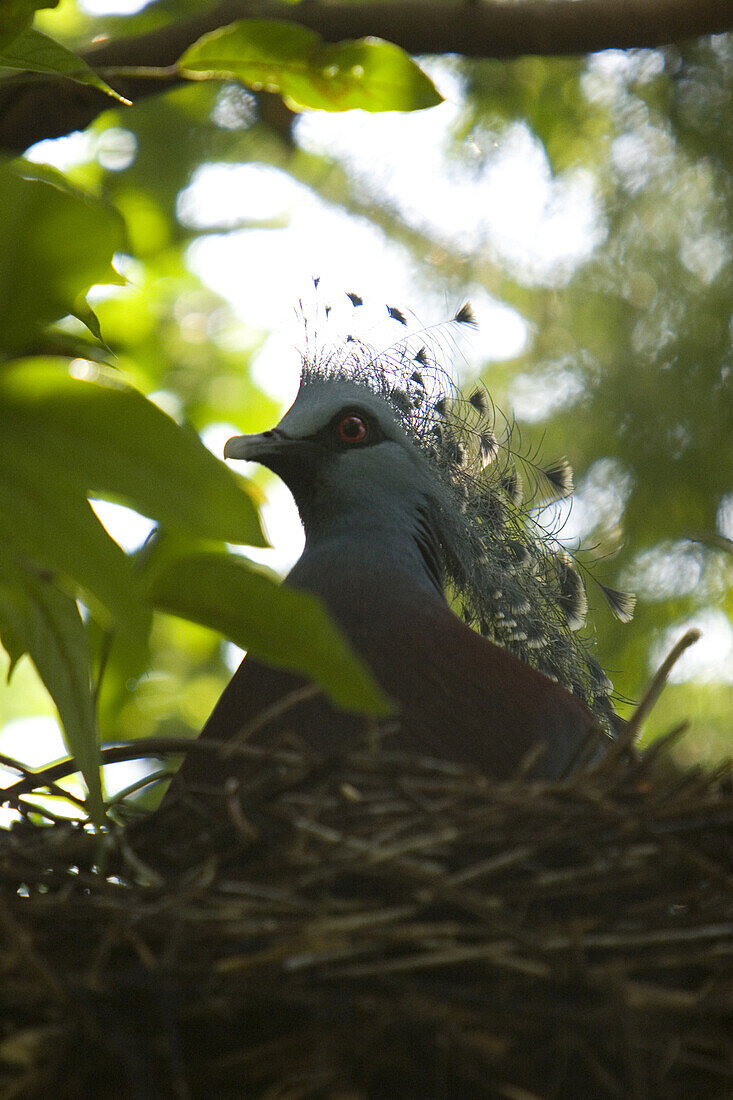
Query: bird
{"points": [[420, 543]]}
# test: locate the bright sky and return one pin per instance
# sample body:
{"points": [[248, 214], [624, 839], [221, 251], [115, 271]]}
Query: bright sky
{"points": [[112, 7]]}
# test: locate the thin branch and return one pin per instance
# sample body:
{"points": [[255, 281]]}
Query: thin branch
{"points": [[31, 109], [656, 687], [142, 748]]}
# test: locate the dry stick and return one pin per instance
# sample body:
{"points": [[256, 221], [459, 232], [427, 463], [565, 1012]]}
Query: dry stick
{"points": [[651, 695], [659, 679], [237, 816], [22, 941], [9, 762], [33, 808], [661, 744], [142, 869], [146, 781], [269, 714], [586, 752]]}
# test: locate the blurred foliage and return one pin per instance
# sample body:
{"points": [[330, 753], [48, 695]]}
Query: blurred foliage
{"points": [[627, 368], [16, 18], [70, 597], [57, 268], [34, 52], [645, 327], [282, 57]]}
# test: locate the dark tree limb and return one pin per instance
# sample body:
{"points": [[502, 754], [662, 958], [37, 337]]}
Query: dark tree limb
{"points": [[34, 109]]}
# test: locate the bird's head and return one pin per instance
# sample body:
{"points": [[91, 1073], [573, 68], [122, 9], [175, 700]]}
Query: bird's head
{"points": [[344, 455]]}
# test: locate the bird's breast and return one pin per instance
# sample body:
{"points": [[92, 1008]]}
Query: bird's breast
{"points": [[460, 696]]}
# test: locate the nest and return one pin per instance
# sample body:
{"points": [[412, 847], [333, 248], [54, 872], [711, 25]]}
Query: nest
{"points": [[377, 926]]}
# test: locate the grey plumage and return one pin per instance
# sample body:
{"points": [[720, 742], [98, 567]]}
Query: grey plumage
{"points": [[410, 499], [508, 575]]}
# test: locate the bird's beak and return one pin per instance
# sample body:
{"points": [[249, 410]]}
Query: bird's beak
{"points": [[254, 448], [291, 459]]}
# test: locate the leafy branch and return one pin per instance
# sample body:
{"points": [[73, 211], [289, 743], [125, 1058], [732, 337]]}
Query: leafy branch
{"points": [[31, 111]]}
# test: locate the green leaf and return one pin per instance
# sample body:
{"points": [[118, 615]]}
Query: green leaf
{"points": [[38, 619], [35, 52], [58, 241], [46, 518], [309, 74], [103, 438], [282, 626], [84, 313], [17, 15]]}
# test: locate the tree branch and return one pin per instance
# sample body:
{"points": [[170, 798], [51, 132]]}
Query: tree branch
{"points": [[34, 109]]}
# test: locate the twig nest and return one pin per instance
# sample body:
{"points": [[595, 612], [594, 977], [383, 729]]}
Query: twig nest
{"points": [[377, 926]]}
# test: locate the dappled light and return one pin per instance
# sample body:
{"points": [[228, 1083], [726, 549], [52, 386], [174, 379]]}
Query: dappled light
{"points": [[366, 549], [708, 662], [583, 205]]}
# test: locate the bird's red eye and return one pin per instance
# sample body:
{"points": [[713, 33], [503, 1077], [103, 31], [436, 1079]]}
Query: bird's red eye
{"points": [[352, 429]]}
